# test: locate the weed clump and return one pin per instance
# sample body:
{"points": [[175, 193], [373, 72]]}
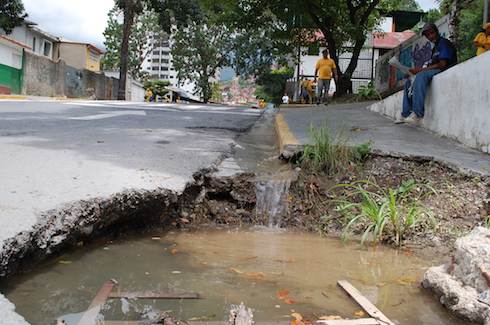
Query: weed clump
{"points": [[330, 152], [384, 213]]}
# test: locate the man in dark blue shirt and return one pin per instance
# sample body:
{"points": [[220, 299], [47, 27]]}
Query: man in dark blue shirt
{"points": [[443, 57]]}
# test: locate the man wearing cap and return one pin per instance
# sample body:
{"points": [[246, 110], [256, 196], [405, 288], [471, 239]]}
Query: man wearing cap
{"points": [[482, 40], [443, 57]]}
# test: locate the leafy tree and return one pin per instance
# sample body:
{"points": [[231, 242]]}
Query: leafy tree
{"points": [[345, 24], [406, 5], [12, 14], [157, 87], [272, 84], [170, 13], [198, 51], [145, 25]]}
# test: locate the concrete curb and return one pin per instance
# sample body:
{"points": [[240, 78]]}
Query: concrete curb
{"points": [[13, 97], [287, 143]]}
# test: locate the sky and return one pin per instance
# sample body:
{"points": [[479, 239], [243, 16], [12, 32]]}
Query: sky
{"points": [[85, 20]]}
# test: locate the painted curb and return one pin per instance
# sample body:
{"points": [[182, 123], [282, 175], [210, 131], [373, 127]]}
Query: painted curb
{"points": [[16, 97], [287, 143]]}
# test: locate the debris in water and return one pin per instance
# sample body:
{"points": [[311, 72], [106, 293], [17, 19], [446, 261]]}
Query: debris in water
{"points": [[330, 317], [64, 262], [359, 313], [155, 238], [174, 251], [176, 272], [282, 294]]}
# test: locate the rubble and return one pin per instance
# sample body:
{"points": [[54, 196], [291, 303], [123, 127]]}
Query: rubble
{"points": [[463, 285]]}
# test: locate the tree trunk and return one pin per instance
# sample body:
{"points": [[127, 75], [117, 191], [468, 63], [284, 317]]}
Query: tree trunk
{"points": [[129, 12]]}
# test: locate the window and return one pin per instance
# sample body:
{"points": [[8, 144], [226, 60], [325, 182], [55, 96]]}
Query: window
{"points": [[154, 76], [154, 68], [164, 68], [156, 60], [164, 76], [165, 53], [93, 56], [156, 52], [34, 44], [165, 44], [47, 48], [165, 61], [171, 77]]}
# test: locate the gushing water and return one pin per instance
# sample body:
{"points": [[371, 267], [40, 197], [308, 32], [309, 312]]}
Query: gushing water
{"points": [[272, 197]]}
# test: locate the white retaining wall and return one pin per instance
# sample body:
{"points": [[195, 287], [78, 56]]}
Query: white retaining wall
{"points": [[457, 105]]}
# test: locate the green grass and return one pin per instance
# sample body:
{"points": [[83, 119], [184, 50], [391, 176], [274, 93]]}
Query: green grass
{"points": [[329, 152], [384, 214]]}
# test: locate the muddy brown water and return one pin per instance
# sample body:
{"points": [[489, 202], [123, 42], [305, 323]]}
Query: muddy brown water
{"points": [[228, 267]]}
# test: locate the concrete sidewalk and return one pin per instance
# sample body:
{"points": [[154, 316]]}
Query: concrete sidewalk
{"points": [[361, 125]]}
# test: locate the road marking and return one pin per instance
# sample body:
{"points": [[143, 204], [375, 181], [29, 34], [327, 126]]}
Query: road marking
{"points": [[106, 114]]}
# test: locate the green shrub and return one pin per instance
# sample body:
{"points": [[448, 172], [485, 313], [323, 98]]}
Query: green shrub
{"points": [[383, 213], [329, 152], [158, 87], [367, 91], [272, 85]]}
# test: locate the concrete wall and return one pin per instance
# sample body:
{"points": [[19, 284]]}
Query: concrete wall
{"points": [[44, 77], [137, 92], [457, 105], [75, 55]]}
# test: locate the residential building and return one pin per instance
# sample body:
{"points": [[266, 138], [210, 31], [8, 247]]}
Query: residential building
{"points": [[11, 67], [158, 63], [39, 41], [80, 55]]}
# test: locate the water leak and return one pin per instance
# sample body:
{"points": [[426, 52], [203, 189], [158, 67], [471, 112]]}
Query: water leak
{"points": [[228, 267], [272, 192]]}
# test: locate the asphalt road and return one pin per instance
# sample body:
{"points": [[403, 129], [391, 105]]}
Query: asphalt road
{"points": [[53, 153]]}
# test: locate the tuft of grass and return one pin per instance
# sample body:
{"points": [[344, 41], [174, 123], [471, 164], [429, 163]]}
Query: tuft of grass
{"points": [[330, 152], [381, 213]]}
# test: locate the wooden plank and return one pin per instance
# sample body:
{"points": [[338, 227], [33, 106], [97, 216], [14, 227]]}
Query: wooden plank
{"points": [[360, 321], [90, 316], [368, 307], [154, 295]]}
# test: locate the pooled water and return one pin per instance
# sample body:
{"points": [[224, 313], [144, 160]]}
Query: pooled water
{"points": [[227, 267]]}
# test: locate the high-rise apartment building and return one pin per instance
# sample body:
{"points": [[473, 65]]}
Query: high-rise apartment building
{"points": [[158, 63]]}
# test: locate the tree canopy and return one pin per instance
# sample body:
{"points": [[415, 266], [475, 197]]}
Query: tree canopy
{"points": [[145, 26], [198, 51], [12, 14]]}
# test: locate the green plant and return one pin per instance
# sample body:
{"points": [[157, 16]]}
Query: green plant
{"points": [[367, 91], [272, 84], [329, 152], [383, 213], [157, 87]]}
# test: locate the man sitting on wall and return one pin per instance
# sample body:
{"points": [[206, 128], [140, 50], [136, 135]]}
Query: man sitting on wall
{"points": [[443, 57]]}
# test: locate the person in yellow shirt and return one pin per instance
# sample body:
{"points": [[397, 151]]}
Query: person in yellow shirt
{"points": [[482, 40], [325, 69]]}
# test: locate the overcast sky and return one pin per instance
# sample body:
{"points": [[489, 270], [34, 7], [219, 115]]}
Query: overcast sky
{"points": [[85, 20]]}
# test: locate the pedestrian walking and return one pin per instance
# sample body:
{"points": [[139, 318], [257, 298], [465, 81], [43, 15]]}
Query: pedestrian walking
{"points": [[325, 69], [443, 57]]}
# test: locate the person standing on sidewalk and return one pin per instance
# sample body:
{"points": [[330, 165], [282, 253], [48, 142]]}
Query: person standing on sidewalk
{"points": [[482, 40], [443, 57], [325, 69]]}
